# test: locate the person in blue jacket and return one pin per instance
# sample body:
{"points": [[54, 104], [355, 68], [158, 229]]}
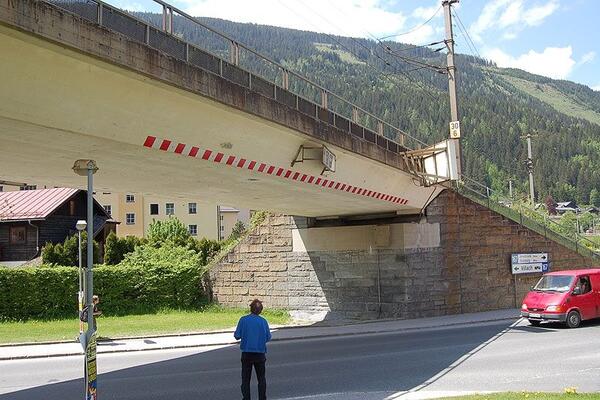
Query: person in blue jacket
{"points": [[253, 330]]}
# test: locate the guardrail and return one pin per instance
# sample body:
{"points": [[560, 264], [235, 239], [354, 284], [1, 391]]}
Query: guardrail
{"points": [[529, 218], [206, 47]]}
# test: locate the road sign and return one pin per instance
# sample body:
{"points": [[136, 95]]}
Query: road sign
{"points": [[455, 130], [527, 263]]}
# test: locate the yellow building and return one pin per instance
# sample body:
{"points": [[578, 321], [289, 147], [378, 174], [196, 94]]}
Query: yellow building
{"points": [[136, 212]]}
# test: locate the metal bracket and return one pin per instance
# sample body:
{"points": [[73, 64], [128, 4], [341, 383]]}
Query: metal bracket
{"points": [[301, 156]]}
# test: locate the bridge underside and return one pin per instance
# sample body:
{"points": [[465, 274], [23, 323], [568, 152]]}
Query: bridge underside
{"points": [[58, 105]]}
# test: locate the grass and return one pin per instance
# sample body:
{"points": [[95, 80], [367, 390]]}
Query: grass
{"points": [[570, 393], [163, 322], [555, 98], [344, 55]]}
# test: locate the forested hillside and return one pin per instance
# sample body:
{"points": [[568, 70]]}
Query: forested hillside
{"points": [[497, 106]]}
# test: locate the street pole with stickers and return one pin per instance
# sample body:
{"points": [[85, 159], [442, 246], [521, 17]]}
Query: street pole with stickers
{"points": [[88, 339]]}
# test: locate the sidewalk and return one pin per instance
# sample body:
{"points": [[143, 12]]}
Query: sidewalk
{"points": [[15, 352]]}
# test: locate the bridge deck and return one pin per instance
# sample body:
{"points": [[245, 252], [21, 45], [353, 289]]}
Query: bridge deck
{"points": [[156, 124]]}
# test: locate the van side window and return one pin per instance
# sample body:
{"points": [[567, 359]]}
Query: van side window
{"points": [[584, 284]]}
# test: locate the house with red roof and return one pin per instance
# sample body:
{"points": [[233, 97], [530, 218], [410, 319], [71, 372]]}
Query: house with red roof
{"points": [[31, 218]]}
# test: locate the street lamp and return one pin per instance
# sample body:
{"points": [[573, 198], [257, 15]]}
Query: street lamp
{"points": [[80, 225], [88, 168]]}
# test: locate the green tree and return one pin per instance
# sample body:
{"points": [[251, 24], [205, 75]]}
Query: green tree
{"points": [[595, 197], [171, 231], [568, 224], [66, 253], [237, 231], [115, 248]]}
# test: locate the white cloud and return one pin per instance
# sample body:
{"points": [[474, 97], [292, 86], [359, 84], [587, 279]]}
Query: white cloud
{"points": [[425, 13], [509, 36], [355, 18], [537, 14], [587, 57], [503, 14], [553, 62], [596, 88]]}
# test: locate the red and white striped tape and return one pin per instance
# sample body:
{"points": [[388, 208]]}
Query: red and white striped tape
{"points": [[264, 168]]}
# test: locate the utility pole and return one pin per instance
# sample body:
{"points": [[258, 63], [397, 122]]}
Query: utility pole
{"points": [[510, 188], [529, 164], [454, 119]]}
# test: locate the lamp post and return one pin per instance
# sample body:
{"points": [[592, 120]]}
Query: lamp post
{"points": [[88, 168], [80, 225]]}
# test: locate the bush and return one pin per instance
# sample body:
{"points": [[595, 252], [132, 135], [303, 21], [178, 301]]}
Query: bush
{"points": [[147, 256], [66, 253], [205, 248], [171, 231], [117, 248], [45, 293]]}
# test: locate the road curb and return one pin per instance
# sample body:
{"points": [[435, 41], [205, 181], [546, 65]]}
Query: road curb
{"points": [[302, 337]]}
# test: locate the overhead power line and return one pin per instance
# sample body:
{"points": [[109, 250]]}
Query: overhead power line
{"points": [[386, 62], [415, 28], [470, 42]]}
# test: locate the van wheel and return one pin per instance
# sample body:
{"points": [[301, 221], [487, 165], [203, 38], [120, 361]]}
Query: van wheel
{"points": [[534, 322], [573, 319]]}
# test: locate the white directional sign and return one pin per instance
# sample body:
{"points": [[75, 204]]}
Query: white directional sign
{"points": [[527, 263]]}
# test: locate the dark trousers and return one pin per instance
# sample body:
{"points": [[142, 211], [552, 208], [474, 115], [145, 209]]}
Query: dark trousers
{"points": [[256, 360]]}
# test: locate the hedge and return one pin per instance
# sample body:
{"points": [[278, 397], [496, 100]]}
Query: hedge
{"points": [[51, 292]]}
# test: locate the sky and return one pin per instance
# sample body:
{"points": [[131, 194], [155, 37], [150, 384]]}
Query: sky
{"points": [[556, 38]]}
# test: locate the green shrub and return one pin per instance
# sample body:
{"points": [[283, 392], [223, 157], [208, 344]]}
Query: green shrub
{"points": [[116, 248], [205, 248], [148, 256], [171, 231], [45, 293], [66, 253]]}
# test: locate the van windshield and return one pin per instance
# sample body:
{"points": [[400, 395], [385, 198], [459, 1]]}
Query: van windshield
{"points": [[554, 283]]}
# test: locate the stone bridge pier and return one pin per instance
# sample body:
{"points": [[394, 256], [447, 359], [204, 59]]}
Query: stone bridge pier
{"points": [[454, 259]]}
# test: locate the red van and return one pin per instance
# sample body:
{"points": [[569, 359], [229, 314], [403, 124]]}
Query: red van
{"points": [[566, 296]]}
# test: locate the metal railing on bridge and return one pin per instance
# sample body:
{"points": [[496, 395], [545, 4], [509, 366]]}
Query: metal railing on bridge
{"points": [[528, 217], [207, 48]]}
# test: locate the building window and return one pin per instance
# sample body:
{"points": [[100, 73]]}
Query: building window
{"points": [[71, 207], [192, 208], [28, 187], [222, 228], [130, 218], [170, 208], [108, 209], [18, 235], [1, 188], [222, 217], [153, 209], [193, 230], [129, 198]]}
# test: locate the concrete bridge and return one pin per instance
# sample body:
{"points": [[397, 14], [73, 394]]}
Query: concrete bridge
{"points": [[161, 115]]}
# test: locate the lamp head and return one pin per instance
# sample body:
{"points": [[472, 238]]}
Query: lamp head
{"points": [[81, 225], [81, 167]]}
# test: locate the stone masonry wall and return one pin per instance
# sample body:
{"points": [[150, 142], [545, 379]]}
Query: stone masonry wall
{"points": [[468, 272]]}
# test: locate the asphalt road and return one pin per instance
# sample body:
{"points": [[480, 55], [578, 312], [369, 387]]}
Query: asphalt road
{"points": [[483, 357]]}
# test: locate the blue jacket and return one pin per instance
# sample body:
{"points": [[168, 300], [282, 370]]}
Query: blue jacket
{"points": [[254, 332]]}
